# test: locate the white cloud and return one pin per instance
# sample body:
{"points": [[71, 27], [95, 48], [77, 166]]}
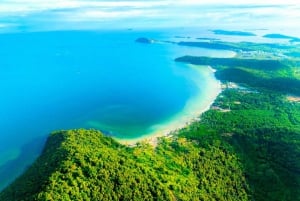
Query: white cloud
{"points": [[16, 6], [235, 2], [38, 5], [98, 15], [157, 12]]}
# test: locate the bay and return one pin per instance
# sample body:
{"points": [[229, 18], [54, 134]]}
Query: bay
{"points": [[89, 79]]}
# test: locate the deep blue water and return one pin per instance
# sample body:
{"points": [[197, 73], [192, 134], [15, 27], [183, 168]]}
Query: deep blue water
{"points": [[105, 80]]}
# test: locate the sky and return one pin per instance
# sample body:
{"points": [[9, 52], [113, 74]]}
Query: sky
{"points": [[25, 15]]}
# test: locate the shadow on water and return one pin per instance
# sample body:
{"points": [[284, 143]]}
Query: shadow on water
{"points": [[13, 168]]}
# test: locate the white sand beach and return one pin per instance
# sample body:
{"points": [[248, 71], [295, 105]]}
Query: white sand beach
{"points": [[209, 89]]}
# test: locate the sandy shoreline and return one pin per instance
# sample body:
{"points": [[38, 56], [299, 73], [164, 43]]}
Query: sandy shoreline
{"points": [[209, 89]]}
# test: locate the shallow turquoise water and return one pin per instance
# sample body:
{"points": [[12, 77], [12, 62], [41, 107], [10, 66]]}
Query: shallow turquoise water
{"points": [[73, 79], [64, 79]]}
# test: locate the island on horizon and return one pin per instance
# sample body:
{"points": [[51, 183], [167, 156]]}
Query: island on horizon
{"points": [[232, 33], [145, 40], [246, 144]]}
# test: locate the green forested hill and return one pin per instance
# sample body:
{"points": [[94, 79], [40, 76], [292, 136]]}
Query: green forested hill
{"points": [[264, 130], [247, 147], [85, 165]]}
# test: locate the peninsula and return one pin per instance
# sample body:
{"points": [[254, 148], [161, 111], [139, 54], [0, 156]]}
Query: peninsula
{"points": [[245, 147]]}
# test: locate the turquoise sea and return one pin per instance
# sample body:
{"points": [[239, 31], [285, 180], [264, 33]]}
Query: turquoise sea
{"points": [[89, 79]]}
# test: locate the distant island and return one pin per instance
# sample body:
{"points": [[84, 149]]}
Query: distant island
{"points": [[279, 36], [217, 45], [184, 37], [245, 147], [144, 40], [209, 45], [205, 38], [295, 40], [232, 33]]}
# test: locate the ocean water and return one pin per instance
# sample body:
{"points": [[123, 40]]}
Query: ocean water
{"points": [[88, 79]]}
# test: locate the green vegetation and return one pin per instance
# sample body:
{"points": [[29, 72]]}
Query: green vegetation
{"points": [[210, 45], [246, 147], [275, 75], [264, 131], [258, 121], [85, 165], [256, 50], [234, 62]]}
